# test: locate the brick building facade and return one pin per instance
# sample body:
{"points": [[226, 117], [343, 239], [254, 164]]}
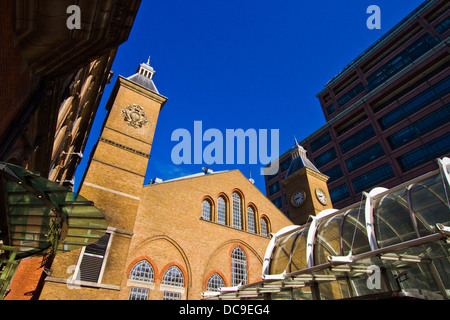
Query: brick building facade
{"points": [[168, 240], [387, 112]]}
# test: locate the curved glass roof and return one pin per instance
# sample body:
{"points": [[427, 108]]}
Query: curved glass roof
{"points": [[394, 241], [42, 217]]}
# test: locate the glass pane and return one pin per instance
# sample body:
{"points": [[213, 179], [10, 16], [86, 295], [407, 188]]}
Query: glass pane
{"points": [[251, 219], [429, 203], [281, 253], [221, 210], [142, 271], [299, 260], [282, 295], [18, 198], [173, 276], [302, 293], [215, 282], [354, 233], [393, 223], [327, 239], [138, 294], [334, 290], [206, 210], [238, 267]]}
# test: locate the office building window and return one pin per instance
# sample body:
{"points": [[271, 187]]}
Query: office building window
{"points": [[237, 211], [238, 267], [415, 104], [215, 282], [366, 156], [221, 210], [339, 193], [357, 139], [320, 142], [325, 157], [420, 127], [334, 173], [270, 177], [285, 164], [398, 63], [350, 94], [351, 122], [331, 109], [373, 177], [425, 153], [278, 202], [443, 26], [274, 188]]}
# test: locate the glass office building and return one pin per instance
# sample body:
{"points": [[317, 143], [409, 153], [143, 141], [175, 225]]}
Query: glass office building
{"points": [[394, 243], [387, 112]]}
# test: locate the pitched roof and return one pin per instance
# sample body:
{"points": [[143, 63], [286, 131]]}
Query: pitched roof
{"points": [[299, 161]]}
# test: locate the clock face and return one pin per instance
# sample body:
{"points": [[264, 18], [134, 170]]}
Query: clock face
{"points": [[320, 194], [298, 198]]}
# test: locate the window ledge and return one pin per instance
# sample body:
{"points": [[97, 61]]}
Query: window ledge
{"points": [[169, 288], [141, 284], [75, 283], [230, 227]]}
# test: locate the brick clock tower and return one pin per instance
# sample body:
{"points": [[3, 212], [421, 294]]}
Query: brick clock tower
{"points": [[116, 171], [306, 187], [114, 182]]}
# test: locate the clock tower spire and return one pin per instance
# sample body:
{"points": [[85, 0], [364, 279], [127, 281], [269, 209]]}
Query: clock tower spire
{"points": [[306, 187]]}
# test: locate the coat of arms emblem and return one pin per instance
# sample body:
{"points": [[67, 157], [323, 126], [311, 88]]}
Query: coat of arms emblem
{"points": [[134, 116]]}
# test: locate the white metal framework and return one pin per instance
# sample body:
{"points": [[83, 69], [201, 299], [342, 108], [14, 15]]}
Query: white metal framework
{"points": [[396, 238]]}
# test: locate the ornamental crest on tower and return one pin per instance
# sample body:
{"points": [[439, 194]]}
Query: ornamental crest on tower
{"points": [[134, 116]]}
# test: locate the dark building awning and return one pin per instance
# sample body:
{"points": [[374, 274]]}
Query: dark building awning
{"points": [[40, 217]]}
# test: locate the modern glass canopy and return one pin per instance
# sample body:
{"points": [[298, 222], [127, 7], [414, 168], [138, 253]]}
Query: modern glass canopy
{"points": [[392, 243], [41, 217]]}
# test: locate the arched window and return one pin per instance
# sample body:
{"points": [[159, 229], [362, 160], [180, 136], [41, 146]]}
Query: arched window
{"points": [[237, 211], [238, 267], [264, 227], [142, 271], [206, 210], [215, 282], [251, 220], [173, 277], [221, 210]]}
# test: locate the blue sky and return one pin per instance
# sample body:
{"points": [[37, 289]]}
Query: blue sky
{"points": [[243, 64]]}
